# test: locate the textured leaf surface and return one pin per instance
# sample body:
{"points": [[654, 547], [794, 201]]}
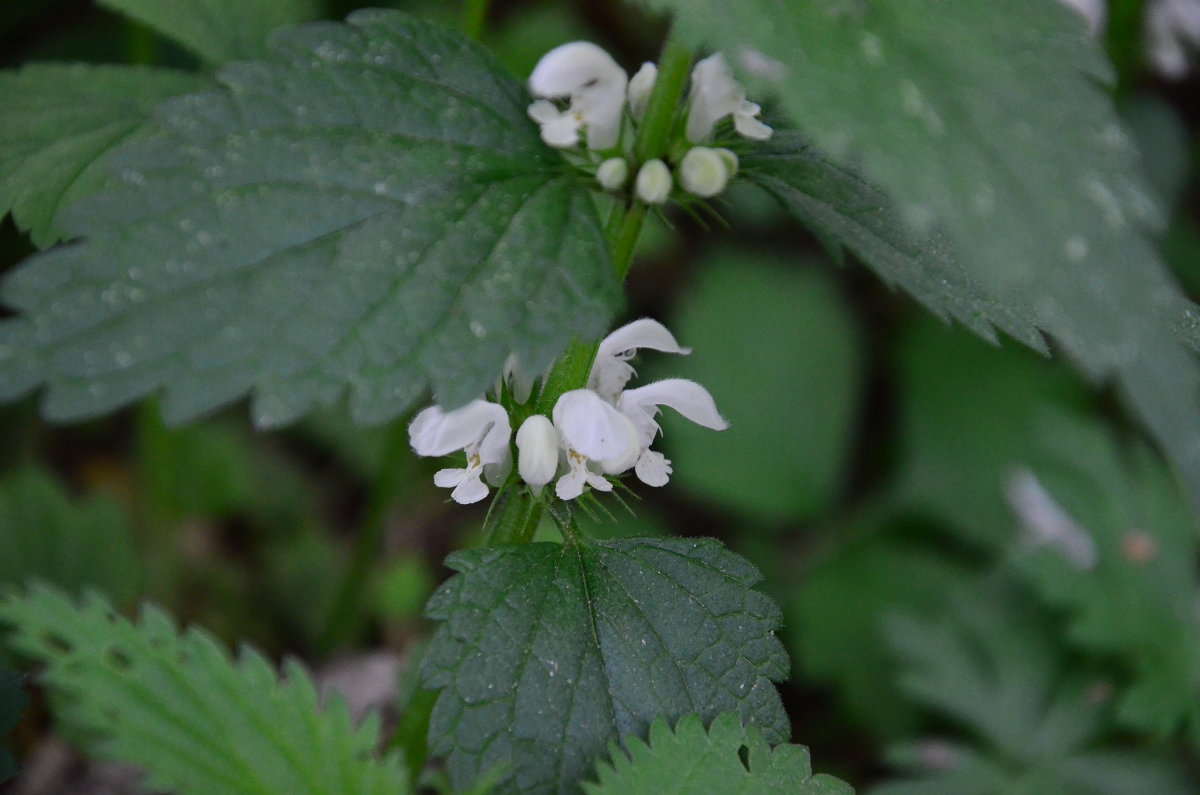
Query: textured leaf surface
{"points": [[843, 208], [692, 761], [1137, 600], [59, 123], [548, 653], [74, 544], [990, 664], [791, 402], [176, 705], [370, 208], [219, 30], [983, 118], [12, 704]]}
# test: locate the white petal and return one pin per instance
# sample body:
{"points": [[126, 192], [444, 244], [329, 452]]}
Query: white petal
{"points": [[629, 456], [570, 68], [435, 432], [591, 426], [653, 468], [470, 490], [749, 127], [597, 482], [687, 397], [610, 373], [640, 86], [563, 132], [714, 95], [543, 111], [537, 451], [449, 478], [613, 173], [570, 485]]}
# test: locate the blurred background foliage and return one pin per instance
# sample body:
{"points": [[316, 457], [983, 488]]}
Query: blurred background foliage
{"points": [[989, 577]]}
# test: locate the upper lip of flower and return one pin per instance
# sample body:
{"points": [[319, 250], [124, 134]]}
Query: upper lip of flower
{"points": [[595, 84], [611, 370]]}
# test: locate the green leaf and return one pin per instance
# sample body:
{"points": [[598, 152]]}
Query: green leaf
{"points": [[990, 663], [370, 209], [964, 401], [74, 544], [548, 653], [176, 705], [1136, 599], [218, 30], [845, 210], [985, 119], [834, 622], [60, 121], [782, 356], [12, 704], [691, 761]]}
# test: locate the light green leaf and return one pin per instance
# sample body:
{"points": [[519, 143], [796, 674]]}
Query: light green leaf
{"points": [[990, 664], [74, 544], [691, 761], [176, 705], [782, 356], [846, 211], [984, 119], [218, 30], [60, 121], [12, 704], [1135, 599], [370, 209], [548, 653]]}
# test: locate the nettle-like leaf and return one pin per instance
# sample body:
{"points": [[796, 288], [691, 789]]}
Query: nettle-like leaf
{"points": [[74, 544], [1136, 597], [59, 123], [990, 664], [370, 208], [547, 653], [12, 704], [218, 30], [728, 758], [983, 119], [177, 706]]}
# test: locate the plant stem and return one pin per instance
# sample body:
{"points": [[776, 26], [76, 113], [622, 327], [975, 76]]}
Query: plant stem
{"points": [[474, 14], [673, 69], [347, 600]]}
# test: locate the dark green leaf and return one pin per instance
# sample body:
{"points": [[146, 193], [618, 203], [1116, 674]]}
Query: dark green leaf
{"points": [[12, 704], [847, 211], [782, 356], [984, 118], [370, 209], [218, 30], [548, 653], [72, 544], [59, 123], [176, 705], [691, 761]]}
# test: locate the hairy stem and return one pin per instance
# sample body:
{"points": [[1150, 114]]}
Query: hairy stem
{"points": [[474, 14]]}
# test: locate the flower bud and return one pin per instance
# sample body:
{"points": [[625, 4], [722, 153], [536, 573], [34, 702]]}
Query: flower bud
{"points": [[640, 86], [537, 451], [730, 160], [703, 172], [654, 182], [612, 173]]}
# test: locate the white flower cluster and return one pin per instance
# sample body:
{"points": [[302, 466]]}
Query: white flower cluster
{"points": [[595, 432], [1171, 28], [585, 93]]}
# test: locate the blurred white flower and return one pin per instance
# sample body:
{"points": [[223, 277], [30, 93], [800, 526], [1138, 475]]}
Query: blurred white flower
{"points": [[1093, 12], [640, 86], [612, 173], [595, 85], [481, 430], [1045, 523], [704, 172], [653, 184], [1172, 28], [715, 95]]}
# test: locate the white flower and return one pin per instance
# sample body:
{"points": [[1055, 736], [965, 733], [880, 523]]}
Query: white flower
{"points": [[653, 182], [1045, 523], [612, 173], [592, 430], [595, 85], [537, 451], [703, 172], [1171, 27], [715, 95], [640, 86], [611, 370], [480, 429], [641, 406]]}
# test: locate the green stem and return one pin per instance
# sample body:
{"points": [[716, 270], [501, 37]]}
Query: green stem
{"points": [[674, 66], [474, 14], [347, 601], [515, 519]]}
